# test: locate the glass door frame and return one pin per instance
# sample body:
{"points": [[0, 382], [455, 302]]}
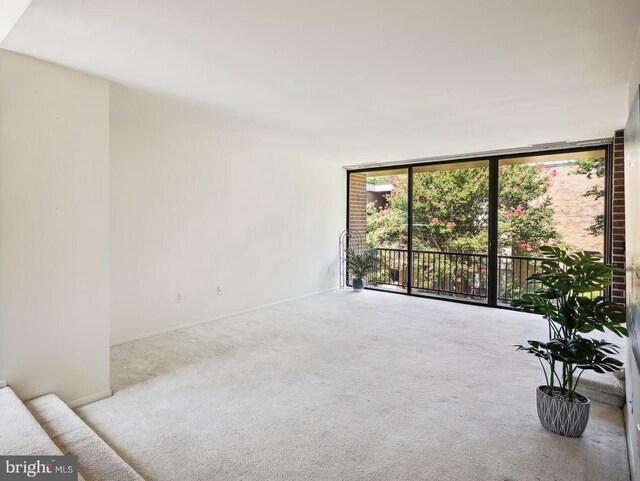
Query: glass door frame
{"points": [[492, 247], [488, 164]]}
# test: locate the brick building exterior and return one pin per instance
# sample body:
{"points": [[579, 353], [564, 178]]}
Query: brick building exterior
{"points": [[358, 203], [574, 213]]}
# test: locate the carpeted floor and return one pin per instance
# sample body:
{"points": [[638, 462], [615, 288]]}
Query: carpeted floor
{"points": [[347, 386]]}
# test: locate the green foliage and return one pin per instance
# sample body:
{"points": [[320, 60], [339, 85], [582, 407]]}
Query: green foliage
{"points": [[567, 301], [379, 179], [451, 211], [361, 264], [387, 227], [593, 168]]}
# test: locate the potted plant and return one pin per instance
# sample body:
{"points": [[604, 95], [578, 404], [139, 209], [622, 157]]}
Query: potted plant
{"points": [[571, 302], [360, 265]]}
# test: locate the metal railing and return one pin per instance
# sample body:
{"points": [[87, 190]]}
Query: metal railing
{"points": [[513, 272], [450, 274], [391, 269], [454, 274]]}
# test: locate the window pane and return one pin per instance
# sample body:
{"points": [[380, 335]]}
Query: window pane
{"points": [[450, 230], [378, 206], [547, 200]]}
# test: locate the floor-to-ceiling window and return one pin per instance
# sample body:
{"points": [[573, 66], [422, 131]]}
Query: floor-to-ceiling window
{"points": [[378, 212], [450, 230], [471, 230], [547, 199]]}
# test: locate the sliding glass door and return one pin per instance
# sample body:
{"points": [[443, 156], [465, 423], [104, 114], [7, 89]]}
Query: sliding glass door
{"points": [[550, 199], [471, 230], [450, 214]]}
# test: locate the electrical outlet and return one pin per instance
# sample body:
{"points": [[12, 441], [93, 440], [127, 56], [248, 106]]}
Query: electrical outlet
{"points": [[219, 290], [180, 298]]}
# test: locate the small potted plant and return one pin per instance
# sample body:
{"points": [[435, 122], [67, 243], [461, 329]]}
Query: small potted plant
{"points": [[360, 265], [571, 302]]}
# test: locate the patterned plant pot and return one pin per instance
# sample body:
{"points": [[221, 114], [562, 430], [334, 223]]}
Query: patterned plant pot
{"points": [[358, 284], [561, 416]]}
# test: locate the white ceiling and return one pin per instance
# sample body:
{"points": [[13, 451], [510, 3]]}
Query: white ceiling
{"points": [[372, 80], [10, 12]]}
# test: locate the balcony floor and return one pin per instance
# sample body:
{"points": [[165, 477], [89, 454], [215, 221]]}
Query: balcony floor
{"points": [[349, 386]]}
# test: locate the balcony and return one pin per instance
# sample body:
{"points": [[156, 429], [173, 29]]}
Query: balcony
{"points": [[454, 274]]}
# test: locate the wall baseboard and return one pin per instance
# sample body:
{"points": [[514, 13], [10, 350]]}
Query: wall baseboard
{"points": [[89, 399], [223, 316]]}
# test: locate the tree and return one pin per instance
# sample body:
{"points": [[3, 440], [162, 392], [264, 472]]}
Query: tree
{"points": [[451, 211], [594, 168]]}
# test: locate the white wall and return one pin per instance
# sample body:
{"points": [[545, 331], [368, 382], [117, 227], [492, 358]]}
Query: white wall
{"points": [[634, 74], [633, 415], [54, 222], [632, 179], [202, 199]]}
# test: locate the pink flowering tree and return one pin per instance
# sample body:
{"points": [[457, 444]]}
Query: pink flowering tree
{"points": [[525, 211], [451, 211]]}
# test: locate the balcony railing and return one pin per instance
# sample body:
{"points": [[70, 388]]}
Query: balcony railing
{"points": [[513, 272], [455, 274]]}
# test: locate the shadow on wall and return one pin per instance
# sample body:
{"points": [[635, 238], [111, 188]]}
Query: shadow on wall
{"points": [[202, 200]]}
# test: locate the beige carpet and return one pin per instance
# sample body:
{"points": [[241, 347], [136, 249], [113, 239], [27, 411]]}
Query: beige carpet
{"points": [[96, 460], [20, 432], [345, 386]]}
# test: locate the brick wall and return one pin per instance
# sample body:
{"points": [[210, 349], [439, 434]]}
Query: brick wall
{"points": [[358, 203], [574, 212], [617, 218]]}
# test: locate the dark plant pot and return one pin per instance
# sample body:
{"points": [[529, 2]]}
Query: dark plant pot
{"points": [[358, 284], [561, 416]]}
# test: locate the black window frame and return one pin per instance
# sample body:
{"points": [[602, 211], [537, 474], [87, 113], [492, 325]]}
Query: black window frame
{"points": [[494, 164]]}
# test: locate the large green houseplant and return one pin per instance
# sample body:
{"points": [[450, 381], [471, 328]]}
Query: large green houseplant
{"points": [[571, 301], [360, 265]]}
